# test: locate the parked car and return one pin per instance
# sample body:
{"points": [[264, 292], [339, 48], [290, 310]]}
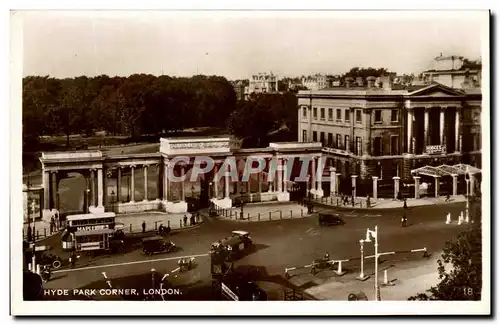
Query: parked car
{"points": [[156, 244], [238, 243], [43, 256], [329, 219]]}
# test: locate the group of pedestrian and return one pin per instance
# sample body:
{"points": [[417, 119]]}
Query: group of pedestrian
{"points": [[345, 198]]}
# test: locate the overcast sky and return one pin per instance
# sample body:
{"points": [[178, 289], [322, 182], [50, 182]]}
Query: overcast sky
{"points": [[237, 44]]}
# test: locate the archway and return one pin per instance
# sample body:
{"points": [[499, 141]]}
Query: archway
{"points": [[72, 187]]}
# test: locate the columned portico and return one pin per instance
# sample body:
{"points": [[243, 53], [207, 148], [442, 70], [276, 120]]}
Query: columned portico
{"points": [[145, 182], [132, 183]]}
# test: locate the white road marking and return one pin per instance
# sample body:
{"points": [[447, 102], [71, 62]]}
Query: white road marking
{"points": [[127, 263]]}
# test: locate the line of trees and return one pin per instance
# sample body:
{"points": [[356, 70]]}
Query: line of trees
{"points": [[135, 105], [144, 104]]}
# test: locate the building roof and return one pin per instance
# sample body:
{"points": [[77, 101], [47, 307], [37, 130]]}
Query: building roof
{"points": [[446, 170]]}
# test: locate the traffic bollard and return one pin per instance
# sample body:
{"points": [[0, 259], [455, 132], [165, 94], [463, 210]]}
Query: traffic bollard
{"points": [[291, 216], [248, 216], [44, 232], [269, 215], [156, 225], [130, 227], [258, 216], [281, 214]]}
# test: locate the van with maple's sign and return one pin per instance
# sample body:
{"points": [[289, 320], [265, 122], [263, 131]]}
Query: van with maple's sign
{"points": [[93, 232]]}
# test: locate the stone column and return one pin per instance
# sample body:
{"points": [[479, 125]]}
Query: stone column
{"points": [[396, 186], [410, 148], [226, 185], [417, 187], [105, 186], [333, 181], [145, 182], [100, 191], [441, 126], [54, 187], [165, 181], [337, 182], [437, 181], [280, 175], [319, 187], [353, 182], [313, 175], [426, 128], [457, 131], [159, 182], [119, 185], [259, 179], [183, 185], [472, 184], [216, 182], [375, 186], [454, 176], [132, 184], [92, 188], [46, 190], [285, 176]]}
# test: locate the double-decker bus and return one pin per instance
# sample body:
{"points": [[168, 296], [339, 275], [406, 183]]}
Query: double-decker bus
{"points": [[87, 232]]}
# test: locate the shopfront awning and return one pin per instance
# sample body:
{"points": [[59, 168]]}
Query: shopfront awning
{"points": [[446, 170]]}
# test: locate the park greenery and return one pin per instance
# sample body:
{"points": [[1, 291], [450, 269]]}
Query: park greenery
{"points": [[460, 269], [143, 105]]}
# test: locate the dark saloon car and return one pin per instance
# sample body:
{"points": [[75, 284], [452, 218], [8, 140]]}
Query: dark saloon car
{"points": [[237, 244], [326, 219]]}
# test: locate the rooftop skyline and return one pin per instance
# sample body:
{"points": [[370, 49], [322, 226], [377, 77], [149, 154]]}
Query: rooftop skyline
{"points": [[239, 44]]}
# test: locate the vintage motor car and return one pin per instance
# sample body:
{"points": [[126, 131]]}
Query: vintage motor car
{"points": [[156, 244], [237, 244], [43, 256], [329, 219]]}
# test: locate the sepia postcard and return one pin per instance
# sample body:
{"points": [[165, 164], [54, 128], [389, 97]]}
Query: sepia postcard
{"points": [[250, 163]]}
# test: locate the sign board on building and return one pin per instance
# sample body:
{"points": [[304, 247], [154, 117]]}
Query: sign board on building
{"points": [[229, 292], [88, 228], [435, 149]]}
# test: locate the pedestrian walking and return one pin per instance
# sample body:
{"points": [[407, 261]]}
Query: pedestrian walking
{"points": [[29, 234], [405, 206], [72, 258], [447, 198], [368, 201], [144, 226], [185, 220]]}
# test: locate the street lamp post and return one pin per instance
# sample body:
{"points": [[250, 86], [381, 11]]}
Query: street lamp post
{"points": [[467, 194], [241, 205], [362, 276], [374, 235], [33, 258], [87, 193]]}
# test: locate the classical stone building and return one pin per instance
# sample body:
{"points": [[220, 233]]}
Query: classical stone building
{"points": [[262, 83], [387, 131], [454, 72]]}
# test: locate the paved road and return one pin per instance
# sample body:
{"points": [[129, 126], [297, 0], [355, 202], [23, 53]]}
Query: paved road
{"points": [[280, 244]]}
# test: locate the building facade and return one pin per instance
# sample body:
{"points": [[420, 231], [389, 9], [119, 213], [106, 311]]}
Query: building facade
{"points": [[262, 83], [454, 72], [316, 82], [385, 132]]}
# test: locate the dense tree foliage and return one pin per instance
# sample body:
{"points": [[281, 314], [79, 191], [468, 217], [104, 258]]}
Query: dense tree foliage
{"points": [[460, 269], [135, 105], [262, 114], [365, 73]]}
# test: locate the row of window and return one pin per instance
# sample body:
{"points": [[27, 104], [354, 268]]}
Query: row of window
{"points": [[347, 114], [377, 150]]}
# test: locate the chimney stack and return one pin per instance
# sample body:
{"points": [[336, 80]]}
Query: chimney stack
{"points": [[386, 83], [348, 81], [359, 81], [371, 81]]}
